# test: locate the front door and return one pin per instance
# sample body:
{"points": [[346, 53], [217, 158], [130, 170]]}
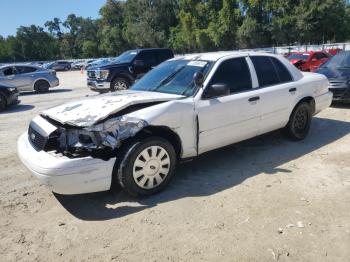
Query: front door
{"points": [[231, 118]]}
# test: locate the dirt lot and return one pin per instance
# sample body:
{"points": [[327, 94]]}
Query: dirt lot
{"points": [[265, 199]]}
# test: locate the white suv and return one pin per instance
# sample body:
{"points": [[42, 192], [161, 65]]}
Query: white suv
{"points": [[184, 107]]}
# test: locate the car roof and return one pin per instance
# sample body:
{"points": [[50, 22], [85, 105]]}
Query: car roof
{"points": [[214, 56], [7, 65]]}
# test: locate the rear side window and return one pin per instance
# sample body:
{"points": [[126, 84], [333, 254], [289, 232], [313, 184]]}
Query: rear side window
{"points": [[147, 57], [25, 69], [270, 71], [283, 73], [163, 55], [235, 73]]}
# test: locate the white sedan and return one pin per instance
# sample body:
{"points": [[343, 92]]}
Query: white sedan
{"points": [[184, 107]]}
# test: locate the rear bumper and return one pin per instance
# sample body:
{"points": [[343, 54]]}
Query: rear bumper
{"points": [[65, 175], [323, 101], [99, 86]]}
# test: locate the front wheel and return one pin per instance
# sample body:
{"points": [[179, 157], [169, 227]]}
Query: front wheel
{"points": [[146, 166], [119, 84], [299, 122]]}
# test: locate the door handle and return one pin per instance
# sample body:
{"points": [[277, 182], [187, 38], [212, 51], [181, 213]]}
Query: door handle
{"points": [[255, 98], [292, 90]]}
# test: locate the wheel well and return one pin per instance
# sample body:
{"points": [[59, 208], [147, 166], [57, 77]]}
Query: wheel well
{"points": [[161, 131], [41, 80], [310, 100], [124, 76]]}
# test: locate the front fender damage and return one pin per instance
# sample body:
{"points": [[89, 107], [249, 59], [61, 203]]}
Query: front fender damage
{"points": [[100, 140]]}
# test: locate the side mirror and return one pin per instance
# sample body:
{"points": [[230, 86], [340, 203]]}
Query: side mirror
{"points": [[139, 63], [198, 79], [216, 90]]}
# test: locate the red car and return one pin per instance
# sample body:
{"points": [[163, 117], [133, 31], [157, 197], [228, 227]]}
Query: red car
{"points": [[308, 61]]}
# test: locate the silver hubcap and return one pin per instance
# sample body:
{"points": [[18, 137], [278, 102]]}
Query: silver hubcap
{"points": [[151, 167], [120, 85]]}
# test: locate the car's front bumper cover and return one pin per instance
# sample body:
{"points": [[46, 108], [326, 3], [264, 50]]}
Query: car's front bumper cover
{"points": [[65, 175]]}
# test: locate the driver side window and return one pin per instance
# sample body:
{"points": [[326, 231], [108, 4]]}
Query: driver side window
{"points": [[235, 74]]}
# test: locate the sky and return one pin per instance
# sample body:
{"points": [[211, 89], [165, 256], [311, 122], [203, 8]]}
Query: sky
{"points": [[15, 13]]}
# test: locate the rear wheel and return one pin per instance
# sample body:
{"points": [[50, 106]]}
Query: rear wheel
{"points": [[119, 84], [41, 86], [146, 166], [299, 122], [2, 103]]}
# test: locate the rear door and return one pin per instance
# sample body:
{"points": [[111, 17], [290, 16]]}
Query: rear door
{"points": [[278, 92], [231, 118], [25, 77]]}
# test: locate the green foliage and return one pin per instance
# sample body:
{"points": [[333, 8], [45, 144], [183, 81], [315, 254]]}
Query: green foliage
{"points": [[184, 25]]}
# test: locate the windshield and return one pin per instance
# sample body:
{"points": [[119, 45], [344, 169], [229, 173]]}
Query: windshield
{"points": [[298, 56], [173, 77], [340, 60], [125, 57]]}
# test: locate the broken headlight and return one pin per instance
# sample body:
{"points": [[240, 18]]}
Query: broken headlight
{"points": [[113, 131]]}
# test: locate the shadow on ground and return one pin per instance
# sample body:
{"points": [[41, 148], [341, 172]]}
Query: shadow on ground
{"points": [[17, 108], [212, 172], [51, 91]]}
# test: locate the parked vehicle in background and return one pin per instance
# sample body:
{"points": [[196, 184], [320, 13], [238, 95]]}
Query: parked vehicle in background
{"points": [[183, 108], [337, 70], [28, 77], [59, 66], [8, 97], [88, 63], [308, 61], [77, 65], [123, 70]]}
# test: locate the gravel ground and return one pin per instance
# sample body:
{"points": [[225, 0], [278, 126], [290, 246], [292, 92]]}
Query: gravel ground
{"points": [[265, 199]]}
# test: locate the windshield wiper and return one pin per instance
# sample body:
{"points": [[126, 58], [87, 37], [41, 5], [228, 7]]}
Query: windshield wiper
{"points": [[167, 79]]}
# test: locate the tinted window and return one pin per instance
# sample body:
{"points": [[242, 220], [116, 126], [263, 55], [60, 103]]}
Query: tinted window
{"points": [[235, 73], [265, 71], [163, 55], [283, 73], [320, 56], [148, 58], [9, 71], [24, 69]]}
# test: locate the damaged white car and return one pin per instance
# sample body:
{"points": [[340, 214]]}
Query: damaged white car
{"points": [[184, 107]]}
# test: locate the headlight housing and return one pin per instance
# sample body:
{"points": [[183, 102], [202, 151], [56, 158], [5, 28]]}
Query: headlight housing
{"points": [[101, 74], [11, 89]]}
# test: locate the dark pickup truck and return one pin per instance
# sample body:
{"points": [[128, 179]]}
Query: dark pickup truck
{"points": [[122, 72]]}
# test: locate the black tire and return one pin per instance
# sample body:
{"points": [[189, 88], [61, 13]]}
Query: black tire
{"points": [[3, 102], [125, 166], [119, 83], [42, 86], [66, 68], [299, 122]]}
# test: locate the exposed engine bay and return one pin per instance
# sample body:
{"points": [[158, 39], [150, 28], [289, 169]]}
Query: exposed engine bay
{"points": [[99, 140]]}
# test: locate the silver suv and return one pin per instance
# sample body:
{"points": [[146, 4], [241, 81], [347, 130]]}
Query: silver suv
{"points": [[28, 77]]}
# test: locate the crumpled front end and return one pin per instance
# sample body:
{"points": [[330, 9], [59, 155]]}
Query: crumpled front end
{"points": [[99, 141]]}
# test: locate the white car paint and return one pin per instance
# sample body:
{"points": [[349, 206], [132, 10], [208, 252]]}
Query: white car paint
{"points": [[221, 121]]}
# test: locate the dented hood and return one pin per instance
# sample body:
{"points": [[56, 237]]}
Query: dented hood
{"points": [[89, 111]]}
